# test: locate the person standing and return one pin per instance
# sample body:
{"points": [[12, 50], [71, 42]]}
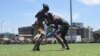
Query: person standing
{"points": [[39, 27], [61, 27]]}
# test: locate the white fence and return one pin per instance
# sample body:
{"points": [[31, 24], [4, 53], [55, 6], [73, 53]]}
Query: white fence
{"points": [[75, 38]]}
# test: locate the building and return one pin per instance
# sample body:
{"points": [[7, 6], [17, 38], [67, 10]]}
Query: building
{"points": [[78, 29], [77, 25], [96, 36], [86, 33], [26, 32]]}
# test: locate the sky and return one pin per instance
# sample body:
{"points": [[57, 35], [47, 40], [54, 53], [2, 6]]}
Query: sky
{"points": [[20, 13]]}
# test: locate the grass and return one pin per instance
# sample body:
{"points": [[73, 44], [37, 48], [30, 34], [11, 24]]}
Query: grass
{"points": [[50, 50]]}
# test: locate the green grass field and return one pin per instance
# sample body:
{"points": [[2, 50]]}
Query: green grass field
{"points": [[50, 50]]}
